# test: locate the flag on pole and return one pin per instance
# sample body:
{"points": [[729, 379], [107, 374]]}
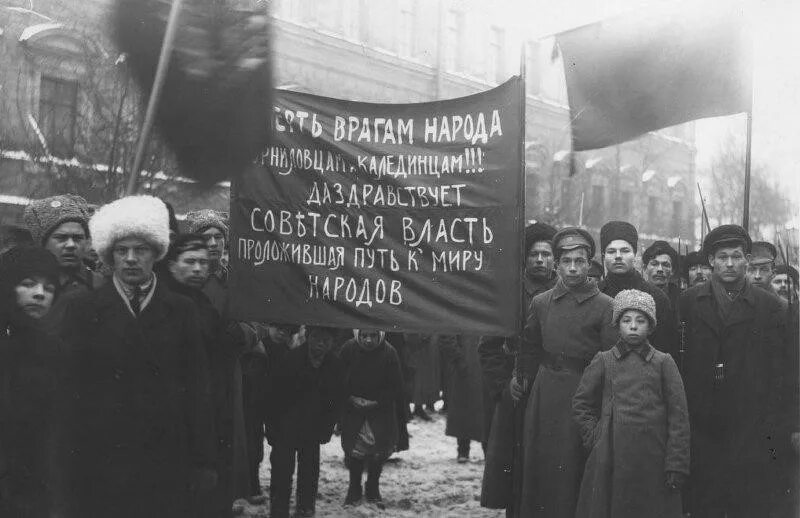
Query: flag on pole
{"points": [[630, 75]]}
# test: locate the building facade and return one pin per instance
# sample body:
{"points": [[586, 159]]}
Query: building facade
{"points": [[397, 51]]}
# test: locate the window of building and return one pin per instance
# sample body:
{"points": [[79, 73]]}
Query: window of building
{"points": [[532, 68], [454, 40], [407, 26], [58, 110], [625, 201], [496, 65]]}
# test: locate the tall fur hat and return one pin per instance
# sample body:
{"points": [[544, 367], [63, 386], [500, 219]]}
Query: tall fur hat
{"points": [[618, 230], [144, 217], [43, 216], [200, 220], [634, 299], [659, 248], [538, 232]]}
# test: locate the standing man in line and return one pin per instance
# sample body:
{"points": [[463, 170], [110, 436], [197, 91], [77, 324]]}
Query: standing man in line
{"points": [[213, 226], [733, 372], [141, 431], [566, 327], [618, 241], [761, 267], [697, 268], [503, 411], [60, 224]]}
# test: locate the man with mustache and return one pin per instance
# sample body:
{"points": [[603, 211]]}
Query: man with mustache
{"points": [[659, 262], [735, 363], [60, 224], [784, 283], [618, 241], [697, 268]]}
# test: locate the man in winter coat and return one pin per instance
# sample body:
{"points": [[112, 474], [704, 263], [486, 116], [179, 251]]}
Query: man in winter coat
{"points": [[660, 268], [761, 266], [187, 271], [503, 469], [213, 226], [566, 327], [697, 268], [618, 241], [142, 430], [308, 384], [60, 224], [733, 372]]}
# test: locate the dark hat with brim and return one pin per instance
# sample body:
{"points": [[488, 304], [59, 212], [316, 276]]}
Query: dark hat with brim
{"points": [[659, 248], [727, 235], [571, 238], [614, 230], [763, 252], [695, 259], [790, 270]]}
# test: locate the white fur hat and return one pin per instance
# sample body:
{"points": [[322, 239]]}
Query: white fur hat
{"points": [[145, 217]]}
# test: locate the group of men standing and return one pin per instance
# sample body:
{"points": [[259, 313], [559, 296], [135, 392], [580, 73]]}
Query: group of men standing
{"points": [[733, 335]]}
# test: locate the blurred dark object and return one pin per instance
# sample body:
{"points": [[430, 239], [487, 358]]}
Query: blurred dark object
{"points": [[214, 107], [12, 235]]}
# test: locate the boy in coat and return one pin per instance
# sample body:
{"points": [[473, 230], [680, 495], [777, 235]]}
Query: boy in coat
{"points": [[310, 381], [631, 410]]}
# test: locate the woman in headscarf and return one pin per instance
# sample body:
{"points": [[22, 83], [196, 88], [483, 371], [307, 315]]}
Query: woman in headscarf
{"points": [[28, 371], [373, 385]]}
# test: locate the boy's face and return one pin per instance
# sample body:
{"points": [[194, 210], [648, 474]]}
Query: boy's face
{"points": [[634, 327]]}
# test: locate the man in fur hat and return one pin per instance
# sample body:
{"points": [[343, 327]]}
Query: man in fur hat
{"points": [[733, 370], [213, 225], [618, 242], [697, 268], [60, 224], [497, 362], [142, 426]]}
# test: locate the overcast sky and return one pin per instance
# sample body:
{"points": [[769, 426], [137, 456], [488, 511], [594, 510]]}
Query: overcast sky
{"points": [[776, 103]]}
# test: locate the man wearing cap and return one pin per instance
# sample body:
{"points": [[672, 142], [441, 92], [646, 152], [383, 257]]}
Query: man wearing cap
{"points": [[618, 241], [733, 370], [141, 431], [697, 268], [60, 225], [566, 327], [503, 452], [784, 283], [213, 225], [761, 266], [659, 261]]}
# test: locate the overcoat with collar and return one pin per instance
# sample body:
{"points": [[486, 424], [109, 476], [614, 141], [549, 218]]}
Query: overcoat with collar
{"points": [[631, 409], [141, 418], [737, 422], [575, 323]]}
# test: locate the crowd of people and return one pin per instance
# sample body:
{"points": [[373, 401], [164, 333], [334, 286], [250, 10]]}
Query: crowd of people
{"points": [[126, 389]]}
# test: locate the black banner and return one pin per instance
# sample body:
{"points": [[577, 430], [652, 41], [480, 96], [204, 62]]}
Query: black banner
{"points": [[391, 216]]}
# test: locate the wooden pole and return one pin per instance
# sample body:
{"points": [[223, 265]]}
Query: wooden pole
{"points": [[522, 180], [705, 214], [746, 213], [152, 103]]}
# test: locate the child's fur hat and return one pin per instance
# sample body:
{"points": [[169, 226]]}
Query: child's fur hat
{"points": [[634, 299]]}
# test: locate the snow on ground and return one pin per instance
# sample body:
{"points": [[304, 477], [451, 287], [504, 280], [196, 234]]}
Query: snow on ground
{"points": [[425, 481]]}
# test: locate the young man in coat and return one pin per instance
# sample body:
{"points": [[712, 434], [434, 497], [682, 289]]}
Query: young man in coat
{"points": [[502, 477], [566, 327], [60, 225], [618, 241], [310, 383], [733, 372], [141, 427], [213, 226], [761, 266]]}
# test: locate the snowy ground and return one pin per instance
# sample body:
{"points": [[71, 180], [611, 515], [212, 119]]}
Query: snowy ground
{"points": [[425, 481]]}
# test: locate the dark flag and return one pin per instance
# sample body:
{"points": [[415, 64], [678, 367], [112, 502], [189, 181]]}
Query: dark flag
{"points": [[628, 76]]}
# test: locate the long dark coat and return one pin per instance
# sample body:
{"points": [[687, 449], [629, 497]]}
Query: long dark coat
{"points": [[503, 417], [465, 394], [373, 375], [424, 360], [737, 422], [564, 323], [308, 400], [30, 365], [631, 409], [223, 343], [142, 416]]}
